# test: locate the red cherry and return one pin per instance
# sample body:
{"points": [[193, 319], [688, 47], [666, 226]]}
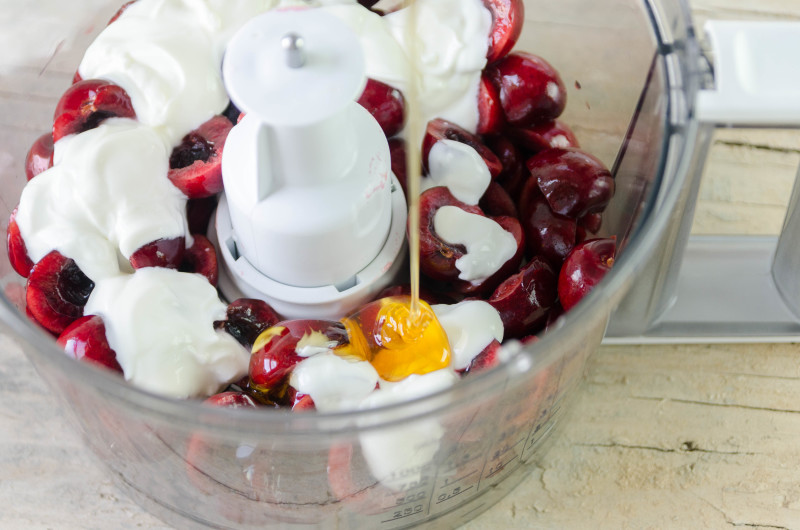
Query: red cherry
{"points": [[439, 129], [299, 402], [497, 202], [40, 156], [591, 222], [273, 362], [524, 299], [386, 104], [531, 90], [490, 113], [57, 291], [486, 359], [437, 257], [196, 164], [201, 258], [573, 182], [583, 269], [85, 340], [547, 234], [397, 152], [247, 318], [17, 253], [160, 253], [233, 400], [88, 103], [537, 138], [507, 20], [199, 212], [514, 173]]}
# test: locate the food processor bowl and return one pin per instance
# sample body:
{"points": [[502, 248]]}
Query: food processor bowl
{"points": [[632, 68]]}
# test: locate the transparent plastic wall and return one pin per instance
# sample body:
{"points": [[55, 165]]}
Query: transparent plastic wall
{"points": [[193, 465]]}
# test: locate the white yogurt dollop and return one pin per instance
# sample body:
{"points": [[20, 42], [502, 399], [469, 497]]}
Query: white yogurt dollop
{"points": [[396, 456], [107, 195], [160, 322], [166, 54], [471, 326], [333, 382], [460, 168], [488, 245]]}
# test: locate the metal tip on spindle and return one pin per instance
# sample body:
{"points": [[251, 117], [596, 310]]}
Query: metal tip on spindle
{"points": [[294, 45]]}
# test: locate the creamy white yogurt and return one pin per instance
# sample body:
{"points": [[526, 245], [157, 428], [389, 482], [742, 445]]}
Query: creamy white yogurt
{"points": [[106, 196], [460, 168], [397, 455], [488, 245], [166, 54], [471, 326], [333, 382], [452, 46], [160, 322]]}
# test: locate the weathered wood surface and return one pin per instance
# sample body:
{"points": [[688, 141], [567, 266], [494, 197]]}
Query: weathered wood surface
{"points": [[660, 436]]}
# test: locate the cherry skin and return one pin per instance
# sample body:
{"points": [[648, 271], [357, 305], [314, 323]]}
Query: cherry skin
{"points": [[547, 234], [507, 19], [275, 352], [386, 104], [40, 156], [57, 291], [201, 258], [439, 129], [540, 137], [574, 183], [246, 319], [85, 340], [196, 164], [497, 202], [397, 153], [17, 252], [525, 298], [490, 112], [514, 173], [165, 252], [88, 103], [531, 91], [583, 269]]}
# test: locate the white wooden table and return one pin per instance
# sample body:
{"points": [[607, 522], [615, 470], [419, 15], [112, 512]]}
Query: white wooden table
{"points": [[660, 437]]}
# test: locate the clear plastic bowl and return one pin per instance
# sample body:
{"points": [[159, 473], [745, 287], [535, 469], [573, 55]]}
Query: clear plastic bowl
{"points": [[632, 68]]}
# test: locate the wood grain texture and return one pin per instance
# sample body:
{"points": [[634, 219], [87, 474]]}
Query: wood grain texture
{"points": [[660, 437]]}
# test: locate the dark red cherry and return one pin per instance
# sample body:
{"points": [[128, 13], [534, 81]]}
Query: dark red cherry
{"points": [[486, 359], [85, 340], [531, 91], [201, 258], [524, 299], [247, 318], [40, 156], [583, 269], [196, 164], [547, 234], [397, 152], [160, 253], [490, 113], [497, 202], [386, 104], [439, 129], [57, 291], [573, 182], [88, 103], [17, 252], [507, 20], [539, 137]]}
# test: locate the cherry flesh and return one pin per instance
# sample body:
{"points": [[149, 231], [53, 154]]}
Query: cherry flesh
{"points": [[88, 103], [573, 182], [57, 291], [507, 19], [196, 164], [165, 252], [583, 269], [531, 91], [85, 340]]}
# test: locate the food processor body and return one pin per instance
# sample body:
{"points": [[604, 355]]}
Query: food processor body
{"points": [[633, 69]]}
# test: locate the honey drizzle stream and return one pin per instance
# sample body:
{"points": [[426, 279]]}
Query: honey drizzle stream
{"points": [[413, 155]]}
